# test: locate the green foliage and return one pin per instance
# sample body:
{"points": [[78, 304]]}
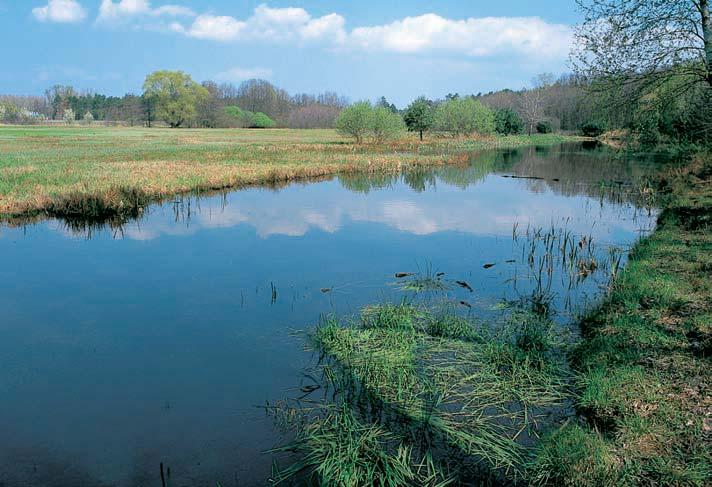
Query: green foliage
{"points": [[361, 119], [574, 456], [508, 122], [355, 121], [175, 96], [385, 124], [593, 128], [464, 116], [544, 127], [262, 121], [419, 116]]}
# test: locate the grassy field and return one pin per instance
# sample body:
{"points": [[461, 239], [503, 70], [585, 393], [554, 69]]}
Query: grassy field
{"points": [[105, 171]]}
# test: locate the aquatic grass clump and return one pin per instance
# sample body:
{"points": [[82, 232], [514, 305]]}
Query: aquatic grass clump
{"points": [[338, 449], [455, 388]]}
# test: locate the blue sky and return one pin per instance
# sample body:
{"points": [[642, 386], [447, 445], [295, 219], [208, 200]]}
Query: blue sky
{"points": [[361, 49]]}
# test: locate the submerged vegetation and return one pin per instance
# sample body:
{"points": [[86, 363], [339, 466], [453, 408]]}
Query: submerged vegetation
{"points": [[466, 396]]}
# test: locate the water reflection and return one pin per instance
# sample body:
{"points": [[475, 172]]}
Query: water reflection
{"points": [[134, 343]]}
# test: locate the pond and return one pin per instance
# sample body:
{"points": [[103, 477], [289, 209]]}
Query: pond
{"points": [[159, 341]]}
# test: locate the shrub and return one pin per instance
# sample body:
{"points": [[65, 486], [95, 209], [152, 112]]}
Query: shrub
{"points": [[385, 124], [593, 129], [464, 116], [355, 121], [88, 118], [262, 121], [544, 127], [508, 122]]}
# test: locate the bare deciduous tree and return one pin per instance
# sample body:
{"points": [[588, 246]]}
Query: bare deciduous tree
{"points": [[644, 43]]}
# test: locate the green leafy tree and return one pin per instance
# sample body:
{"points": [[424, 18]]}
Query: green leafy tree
{"points": [[464, 116], [386, 125], [508, 122], [355, 121], [262, 121], [419, 116], [544, 127], [175, 96], [593, 128]]}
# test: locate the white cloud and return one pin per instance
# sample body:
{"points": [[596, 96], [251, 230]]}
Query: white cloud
{"points": [[123, 9], [473, 37], [61, 11], [240, 74], [277, 25]]}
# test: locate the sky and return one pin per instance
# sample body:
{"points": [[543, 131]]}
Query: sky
{"points": [[361, 49]]}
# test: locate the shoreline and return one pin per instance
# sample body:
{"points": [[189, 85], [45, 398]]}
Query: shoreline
{"points": [[45, 179]]}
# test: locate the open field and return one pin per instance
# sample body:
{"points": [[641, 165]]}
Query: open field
{"points": [[105, 171]]}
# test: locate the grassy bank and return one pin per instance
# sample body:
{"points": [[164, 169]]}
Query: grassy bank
{"points": [[104, 172], [645, 381]]}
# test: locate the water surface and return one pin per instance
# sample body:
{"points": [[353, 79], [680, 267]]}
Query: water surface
{"points": [[157, 341]]}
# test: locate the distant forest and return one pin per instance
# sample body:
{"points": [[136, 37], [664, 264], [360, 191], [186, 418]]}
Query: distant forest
{"points": [[562, 103]]}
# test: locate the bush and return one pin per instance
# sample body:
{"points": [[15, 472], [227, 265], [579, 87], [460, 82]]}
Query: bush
{"points": [[385, 124], [593, 129], [544, 127], [262, 121], [464, 116], [355, 121], [508, 122]]}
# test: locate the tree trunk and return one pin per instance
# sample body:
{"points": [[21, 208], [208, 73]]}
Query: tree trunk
{"points": [[707, 34], [421, 135]]}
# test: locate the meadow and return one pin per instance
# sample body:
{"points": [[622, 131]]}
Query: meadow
{"points": [[103, 172]]}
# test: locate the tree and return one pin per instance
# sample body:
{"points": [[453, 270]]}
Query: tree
{"points": [[385, 124], [262, 121], [508, 122], [531, 105], [419, 116], [175, 95], [355, 121], [68, 116], [644, 43], [382, 102], [88, 118], [464, 116], [544, 127]]}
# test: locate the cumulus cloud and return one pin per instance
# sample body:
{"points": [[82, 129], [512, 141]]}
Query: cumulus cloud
{"points": [[61, 11], [237, 74], [269, 24], [124, 9], [473, 37]]}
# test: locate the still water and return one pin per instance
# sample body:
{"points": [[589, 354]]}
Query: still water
{"points": [[157, 341]]}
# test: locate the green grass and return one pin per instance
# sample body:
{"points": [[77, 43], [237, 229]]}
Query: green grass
{"points": [[644, 362], [452, 388], [104, 171]]}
